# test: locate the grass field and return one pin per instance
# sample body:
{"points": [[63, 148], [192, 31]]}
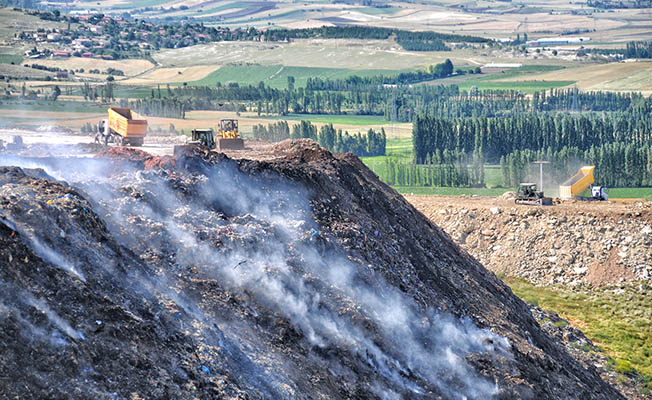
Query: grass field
{"points": [[450, 191], [63, 107], [630, 193], [361, 120], [276, 76], [10, 58], [620, 324], [614, 194], [517, 79]]}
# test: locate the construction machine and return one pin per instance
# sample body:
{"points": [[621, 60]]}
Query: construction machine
{"points": [[200, 137], [228, 137], [600, 193], [580, 182], [121, 128], [528, 194]]}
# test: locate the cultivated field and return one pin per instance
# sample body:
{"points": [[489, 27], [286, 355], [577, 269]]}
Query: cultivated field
{"points": [[172, 75], [484, 18], [276, 76], [620, 76], [75, 116]]}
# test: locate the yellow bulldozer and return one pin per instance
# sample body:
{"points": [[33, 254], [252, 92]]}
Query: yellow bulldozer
{"points": [[227, 138]]}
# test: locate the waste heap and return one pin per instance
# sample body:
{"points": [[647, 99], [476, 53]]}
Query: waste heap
{"points": [[288, 273], [577, 244]]}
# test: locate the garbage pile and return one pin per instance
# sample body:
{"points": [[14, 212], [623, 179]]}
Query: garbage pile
{"points": [[291, 273], [574, 244]]}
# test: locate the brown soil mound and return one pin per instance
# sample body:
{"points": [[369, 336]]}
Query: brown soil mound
{"points": [[286, 273]]}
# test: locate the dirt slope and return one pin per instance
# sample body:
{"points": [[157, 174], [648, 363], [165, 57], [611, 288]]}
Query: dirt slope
{"points": [[574, 243], [284, 273]]}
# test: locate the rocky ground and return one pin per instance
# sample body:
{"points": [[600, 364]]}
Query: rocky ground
{"points": [[278, 272], [572, 243], [579, 245]]}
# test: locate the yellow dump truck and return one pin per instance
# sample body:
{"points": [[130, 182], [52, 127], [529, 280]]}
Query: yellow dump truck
{"points": [[577, 184], [121, 128]]}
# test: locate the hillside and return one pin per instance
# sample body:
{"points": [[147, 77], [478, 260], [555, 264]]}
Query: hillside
{"points": [[285, 272]]}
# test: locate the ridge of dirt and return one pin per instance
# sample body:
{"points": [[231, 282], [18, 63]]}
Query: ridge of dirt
{"points": [[572, 243]]}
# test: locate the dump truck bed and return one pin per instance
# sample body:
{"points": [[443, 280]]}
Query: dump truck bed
{"points": [[122, 122], [577, 183]]}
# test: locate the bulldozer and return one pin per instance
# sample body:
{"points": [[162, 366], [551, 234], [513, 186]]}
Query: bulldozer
{"points": [[200, 137], [528, 194], [228, 137]]}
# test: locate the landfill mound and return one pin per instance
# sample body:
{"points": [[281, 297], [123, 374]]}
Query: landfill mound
{"points": [[594, 244], [286, 273]]}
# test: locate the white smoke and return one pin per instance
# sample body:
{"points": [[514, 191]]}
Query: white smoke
{"points": [[413, 350]]}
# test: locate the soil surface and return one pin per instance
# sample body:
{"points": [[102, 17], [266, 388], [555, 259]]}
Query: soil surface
{"points": [[572, 243]]}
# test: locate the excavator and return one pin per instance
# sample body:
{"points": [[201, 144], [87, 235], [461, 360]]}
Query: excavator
{"points": [[228, 138], [581, 181]]}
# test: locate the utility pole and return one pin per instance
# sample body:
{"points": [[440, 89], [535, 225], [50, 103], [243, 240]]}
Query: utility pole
{"points": [[541, 162]]}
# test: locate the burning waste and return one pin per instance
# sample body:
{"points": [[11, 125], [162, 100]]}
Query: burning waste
{"points": [[293, 274]]}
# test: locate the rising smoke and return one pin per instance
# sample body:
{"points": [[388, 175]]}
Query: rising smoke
{"points": [[271, 259]]}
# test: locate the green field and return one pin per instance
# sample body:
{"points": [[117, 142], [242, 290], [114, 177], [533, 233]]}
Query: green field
{"points": [[136, 92], [620, 324], [276, 76], [450, 191], [58, 106], [10, 59], [523, 86], [493, 81], [630, 193], [357, 120], [616, 193]]}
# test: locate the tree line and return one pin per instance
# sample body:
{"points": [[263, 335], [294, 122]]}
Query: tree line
{"points": [[640, 49], [498, 136], [618, 164], [409, 40], [372, 143]]}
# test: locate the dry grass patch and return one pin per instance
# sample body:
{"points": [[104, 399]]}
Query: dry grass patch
{"points": [[173, 75], [129, 67]]}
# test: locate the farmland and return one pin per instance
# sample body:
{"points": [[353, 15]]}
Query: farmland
{"points": [[614, 76], [276, 76]]}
